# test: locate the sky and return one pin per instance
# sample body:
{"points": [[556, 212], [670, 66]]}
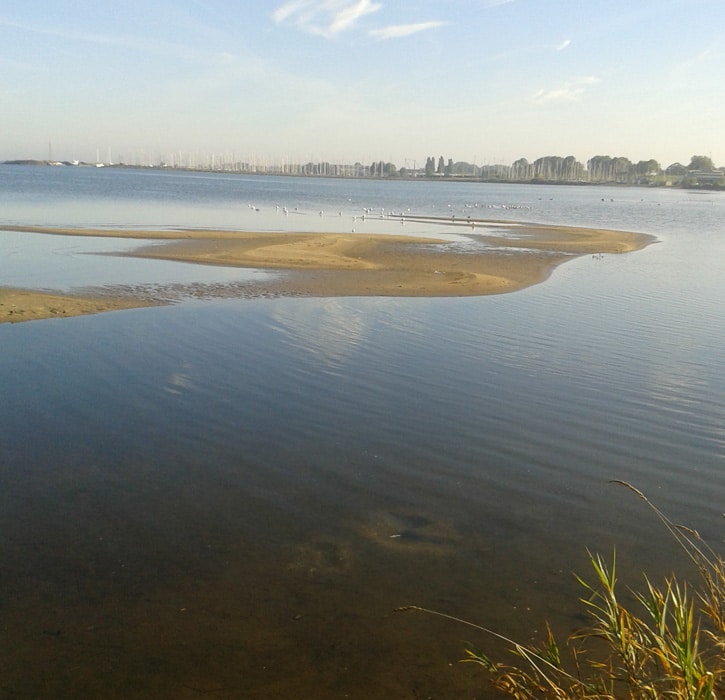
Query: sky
{"points": [[482, 81]]}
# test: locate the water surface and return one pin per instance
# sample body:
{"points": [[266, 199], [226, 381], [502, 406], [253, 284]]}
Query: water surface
{"points": [[228, 498]]}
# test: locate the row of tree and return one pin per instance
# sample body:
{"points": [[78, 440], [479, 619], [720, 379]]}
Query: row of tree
{"points": [[600, 169], [700, 171], [441, 169]]}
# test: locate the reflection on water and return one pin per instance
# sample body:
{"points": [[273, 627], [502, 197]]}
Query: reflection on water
{"points": [[329, 330], [230, 498]]}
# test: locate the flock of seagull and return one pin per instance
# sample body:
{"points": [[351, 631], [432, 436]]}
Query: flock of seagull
{"points": [[449, 217]]}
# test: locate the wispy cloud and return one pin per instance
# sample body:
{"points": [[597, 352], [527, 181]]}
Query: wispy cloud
{"points": [[397, 31], [696, 63], [496, 3], [569, 92], [325, 18], [144, 44], [562, 45]]}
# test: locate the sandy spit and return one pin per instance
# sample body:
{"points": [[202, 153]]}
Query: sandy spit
{"points": [[346, 264]]}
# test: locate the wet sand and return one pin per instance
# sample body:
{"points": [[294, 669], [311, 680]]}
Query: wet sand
{"points": [[17, 305], [497, 257]]}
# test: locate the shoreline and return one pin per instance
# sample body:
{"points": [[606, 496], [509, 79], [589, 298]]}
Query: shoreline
{"points": [[677, 181], [342, 264]]}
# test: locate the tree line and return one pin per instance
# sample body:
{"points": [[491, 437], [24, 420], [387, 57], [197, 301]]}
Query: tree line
{"points": [[598, 169]]}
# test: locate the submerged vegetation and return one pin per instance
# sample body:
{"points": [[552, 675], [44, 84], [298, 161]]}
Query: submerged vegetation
{"points": [[670, 643]]}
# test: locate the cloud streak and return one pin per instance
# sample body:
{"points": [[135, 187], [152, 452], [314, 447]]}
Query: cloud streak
{"points": [[569, 92], [150, 45], [397, 31], [326, 18]]}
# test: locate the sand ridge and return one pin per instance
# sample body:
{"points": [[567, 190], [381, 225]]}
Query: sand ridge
{"points": [[499, 257]]}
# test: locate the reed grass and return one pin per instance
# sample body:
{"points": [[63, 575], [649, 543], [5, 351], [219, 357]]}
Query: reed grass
{"points": [[669, 644]]}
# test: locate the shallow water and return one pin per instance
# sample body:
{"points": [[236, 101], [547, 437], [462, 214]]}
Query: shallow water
{"points": [[230, 497]]}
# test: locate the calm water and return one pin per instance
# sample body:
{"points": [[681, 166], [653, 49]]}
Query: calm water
{"points": [[228, 498]]}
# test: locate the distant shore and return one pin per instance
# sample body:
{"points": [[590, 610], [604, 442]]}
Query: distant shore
{"points": [[349, 264], [677, 181]]}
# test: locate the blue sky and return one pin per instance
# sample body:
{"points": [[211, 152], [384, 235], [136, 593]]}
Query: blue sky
{"points": [[484, 81]]}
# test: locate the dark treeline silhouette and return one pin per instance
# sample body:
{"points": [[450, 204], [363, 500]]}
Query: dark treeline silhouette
{"points": [[600, 169]]}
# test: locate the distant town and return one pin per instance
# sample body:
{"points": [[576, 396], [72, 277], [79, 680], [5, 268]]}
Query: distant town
{"points": [[699, 173]]}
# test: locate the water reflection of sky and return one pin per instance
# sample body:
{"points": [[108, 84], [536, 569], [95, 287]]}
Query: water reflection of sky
{"points": [[66, 262], [331, 330]]}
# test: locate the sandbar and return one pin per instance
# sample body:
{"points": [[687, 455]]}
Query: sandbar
{"points": [[17, 305], [486, 257]]}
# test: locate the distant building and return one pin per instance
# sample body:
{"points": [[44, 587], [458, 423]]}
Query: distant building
{"points": [[708, 177]]}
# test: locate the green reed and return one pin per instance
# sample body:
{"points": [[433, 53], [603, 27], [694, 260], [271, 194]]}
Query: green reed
{"points": [[671, 646]]}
